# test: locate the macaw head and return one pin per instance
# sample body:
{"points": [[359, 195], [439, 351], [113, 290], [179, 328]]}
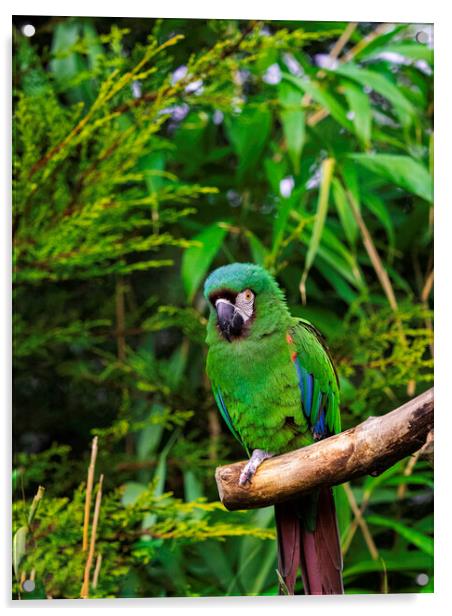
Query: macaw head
{"points": [[245, 302]]}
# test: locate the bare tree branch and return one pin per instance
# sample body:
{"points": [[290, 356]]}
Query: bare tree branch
{"points": [[369, 448]]}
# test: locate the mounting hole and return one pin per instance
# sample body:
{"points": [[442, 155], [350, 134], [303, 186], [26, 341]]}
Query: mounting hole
{"points": [[422, 37], [29, 585], [28, 30]]}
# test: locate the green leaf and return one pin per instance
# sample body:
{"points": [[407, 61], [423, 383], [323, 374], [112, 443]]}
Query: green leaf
{"points": [[418, 479], [336, 273], [193, 487], [322, 95], [331, 242], [372, 483], [160, 471], [351, 180], [15, 477], [197, 259], [343, 510], [68, 66], [275, 171], [400, 170], [322, 208], [360, 108], [412, 51], [280, 222], [293, 121], [248, 133], [378, 207], [149, 437], [325, 320], [341, 265], [218, 564], [380, 42], [35, 504], [93, 44], [405, 561], [258, 250], [423, 542], [132, 491], [344, 211], [19, 548], [256, 557], [152, 166], [378, 82]]}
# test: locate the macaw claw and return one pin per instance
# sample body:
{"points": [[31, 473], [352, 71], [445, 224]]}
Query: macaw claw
{"points": [[257, 457]]}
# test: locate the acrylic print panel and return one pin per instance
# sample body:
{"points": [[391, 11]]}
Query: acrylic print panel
{"points": [[147, 153]]}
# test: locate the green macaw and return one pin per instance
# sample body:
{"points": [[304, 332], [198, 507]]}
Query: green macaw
{"points": [[276, 387]]}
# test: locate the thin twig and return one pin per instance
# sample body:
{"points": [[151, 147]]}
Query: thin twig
{"points": [[382, 275], [427, 287], [89, 491], [97, 570], [408, 470], [84, 594], [35, 504], [373, 253], [343, 39], [373, 551], [354, 524], [362, 44]]}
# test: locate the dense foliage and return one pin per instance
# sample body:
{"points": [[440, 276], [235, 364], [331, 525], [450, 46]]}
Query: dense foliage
{"points": [[147, 152]]}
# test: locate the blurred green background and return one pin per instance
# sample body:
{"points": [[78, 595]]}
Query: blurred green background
{"points": [[146, 153]]}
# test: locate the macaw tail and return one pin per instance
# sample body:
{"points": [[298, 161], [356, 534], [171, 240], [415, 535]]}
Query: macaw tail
{"points": [[313, 547]]}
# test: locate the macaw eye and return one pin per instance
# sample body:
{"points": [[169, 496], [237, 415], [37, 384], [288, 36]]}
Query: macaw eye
{"points": [[248, 295]]}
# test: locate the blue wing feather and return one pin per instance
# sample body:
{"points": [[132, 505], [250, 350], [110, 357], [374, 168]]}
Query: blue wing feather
{"points": [[312, 409], [306, 385], [309, 385]]}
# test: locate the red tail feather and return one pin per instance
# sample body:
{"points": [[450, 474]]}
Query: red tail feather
{"points": [[317, 552]]}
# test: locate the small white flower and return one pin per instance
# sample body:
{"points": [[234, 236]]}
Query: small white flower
{"points": [[293, 65], [272, 75], [324, 60], [194, 87], [392, 56], [180, 111], [179, 74], [237, 104], [424, 67], [314, 180], [218, 117], [234, 198], [240, 77], [286, 186], [136, 89]]}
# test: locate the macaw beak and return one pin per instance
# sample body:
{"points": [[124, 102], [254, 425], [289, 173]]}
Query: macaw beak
{"points": [[230, 321]]}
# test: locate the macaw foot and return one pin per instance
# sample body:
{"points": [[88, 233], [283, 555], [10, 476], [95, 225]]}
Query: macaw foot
{"points": [[257, 457]]}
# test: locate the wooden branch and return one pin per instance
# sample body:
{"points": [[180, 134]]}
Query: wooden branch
{"points": [[369, 448]]}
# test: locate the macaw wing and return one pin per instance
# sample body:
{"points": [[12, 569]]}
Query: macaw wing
{"points": [[224, 412], [317, 379]]}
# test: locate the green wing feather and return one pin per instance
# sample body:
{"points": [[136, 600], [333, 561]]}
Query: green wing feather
{"points": [[225, 414], [318, 378]]}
